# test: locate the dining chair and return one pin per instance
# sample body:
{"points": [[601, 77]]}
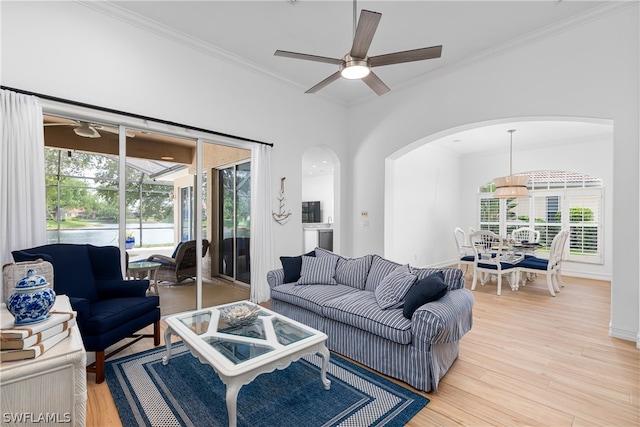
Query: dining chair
{"points": [[465, 252], [491, 257], [526, 234], [552, 266]]}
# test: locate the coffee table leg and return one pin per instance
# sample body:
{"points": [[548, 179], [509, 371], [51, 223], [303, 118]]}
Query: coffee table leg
{"points": [[324, 352], [167, 342], [233, 389]]}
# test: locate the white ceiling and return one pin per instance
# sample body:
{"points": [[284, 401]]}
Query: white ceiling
{"points": [[249, 32]]}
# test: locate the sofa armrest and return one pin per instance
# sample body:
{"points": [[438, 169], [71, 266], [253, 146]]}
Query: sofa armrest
{"points": [[443, 321], [275, 277], [108, 289]]}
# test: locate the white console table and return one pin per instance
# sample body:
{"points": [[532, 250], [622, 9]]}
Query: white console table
{"points": [[53, 385]]}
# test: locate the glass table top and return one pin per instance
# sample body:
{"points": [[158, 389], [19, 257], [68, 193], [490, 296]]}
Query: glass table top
{"points": [[244, 341]]}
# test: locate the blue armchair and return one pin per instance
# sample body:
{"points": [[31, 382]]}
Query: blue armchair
{"points": [[109, 308]]}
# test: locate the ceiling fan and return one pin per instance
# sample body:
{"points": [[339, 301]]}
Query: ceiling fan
{"points": [[356, 64], [90, 130]]}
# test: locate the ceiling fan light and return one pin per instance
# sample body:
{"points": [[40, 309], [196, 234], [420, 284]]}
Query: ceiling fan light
{"points": [[86, 131], [355, 69]]}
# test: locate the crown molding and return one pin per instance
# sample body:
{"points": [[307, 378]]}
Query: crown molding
{"points": [[594, 14], [119, 13], [143, 23]]}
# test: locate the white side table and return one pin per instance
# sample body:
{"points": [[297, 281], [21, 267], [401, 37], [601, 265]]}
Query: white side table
{"points": [[150, 267], [53, 385]]}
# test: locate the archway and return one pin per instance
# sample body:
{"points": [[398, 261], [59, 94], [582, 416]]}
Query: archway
{"points": [[431, 186]]}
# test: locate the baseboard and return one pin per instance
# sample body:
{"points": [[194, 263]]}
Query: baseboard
{"points": [[625, 334]]}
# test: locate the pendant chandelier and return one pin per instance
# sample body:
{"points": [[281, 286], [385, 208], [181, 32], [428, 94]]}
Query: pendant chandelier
{"points": [[512, 186]]}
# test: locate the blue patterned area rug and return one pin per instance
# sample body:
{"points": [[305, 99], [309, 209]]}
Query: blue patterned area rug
{"points": [[188, 393]]}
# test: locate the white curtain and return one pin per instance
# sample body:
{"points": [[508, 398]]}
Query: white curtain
{"points": [[261, 221], [22, 185]]}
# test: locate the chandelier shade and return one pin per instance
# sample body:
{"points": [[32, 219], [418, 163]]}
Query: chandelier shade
{"points": [[512, 186]]}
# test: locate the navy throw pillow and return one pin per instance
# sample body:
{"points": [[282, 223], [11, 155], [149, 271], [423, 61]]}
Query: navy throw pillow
{"points": [[431, 288], [292, 265]]}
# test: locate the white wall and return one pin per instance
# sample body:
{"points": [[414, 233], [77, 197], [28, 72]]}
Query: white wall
{"points": [[560, 76], [69, 50], [422, 205], [319, 188]]}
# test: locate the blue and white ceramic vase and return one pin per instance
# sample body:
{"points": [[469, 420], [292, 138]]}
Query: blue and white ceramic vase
{"points": [[32, 299]]}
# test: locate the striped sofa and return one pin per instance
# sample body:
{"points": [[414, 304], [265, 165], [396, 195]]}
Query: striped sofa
{"points": [[418, 351]]}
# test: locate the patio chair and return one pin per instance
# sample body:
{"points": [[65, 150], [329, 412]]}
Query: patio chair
{"points": [[182, 264], [552, 266], [465, 252], [491, 258]]}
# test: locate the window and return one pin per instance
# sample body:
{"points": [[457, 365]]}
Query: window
{"points": [[559, 200]]}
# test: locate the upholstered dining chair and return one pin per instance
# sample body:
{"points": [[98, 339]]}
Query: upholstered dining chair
{"points": [[491, 258], [552, 266], [181, 265], [465, 252]]}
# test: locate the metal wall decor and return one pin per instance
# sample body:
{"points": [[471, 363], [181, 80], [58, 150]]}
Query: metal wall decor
{"points": [[282, 216]]}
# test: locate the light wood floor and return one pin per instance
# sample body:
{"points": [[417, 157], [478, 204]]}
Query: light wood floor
{"points": [[530, 359]]}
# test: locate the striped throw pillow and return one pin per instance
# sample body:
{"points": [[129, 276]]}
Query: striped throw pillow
{"points": [[318, 270], [353, 271], [391, 291]]}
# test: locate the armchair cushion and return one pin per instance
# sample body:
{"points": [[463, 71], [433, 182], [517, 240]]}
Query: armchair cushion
{"points": [[110, 314], [175, 252], [108, 289]]}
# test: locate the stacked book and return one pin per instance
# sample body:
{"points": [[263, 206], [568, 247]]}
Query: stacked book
{"points": [[30, 341]]}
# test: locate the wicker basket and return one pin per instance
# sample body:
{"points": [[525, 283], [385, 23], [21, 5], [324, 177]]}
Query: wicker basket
{"points": [[12, 273]]}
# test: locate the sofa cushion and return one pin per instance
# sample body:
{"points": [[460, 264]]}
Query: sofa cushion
{"points": [[391, 291], [320, 271], [292, 265], [353, 271], [431, 288], [380, 268], [453, 277], [360, 309], [310, 297]]}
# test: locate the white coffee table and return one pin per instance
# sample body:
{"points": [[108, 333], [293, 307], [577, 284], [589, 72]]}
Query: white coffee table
{"points": [[240, 353]]}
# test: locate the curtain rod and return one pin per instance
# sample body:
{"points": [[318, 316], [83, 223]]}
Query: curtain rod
{"points": [[135, 116]]}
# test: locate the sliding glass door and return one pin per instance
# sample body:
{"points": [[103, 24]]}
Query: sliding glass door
{"points": [[234, 193]]}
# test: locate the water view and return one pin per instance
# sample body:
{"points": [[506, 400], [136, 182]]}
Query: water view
{"points": [[101, 234]]}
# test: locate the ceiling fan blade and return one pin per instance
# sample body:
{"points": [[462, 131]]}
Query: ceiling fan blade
{"points": [[365, 30], [406, 56], [377, 85], [59, 124], [308, 57], [129, 133], [332, 78]]}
